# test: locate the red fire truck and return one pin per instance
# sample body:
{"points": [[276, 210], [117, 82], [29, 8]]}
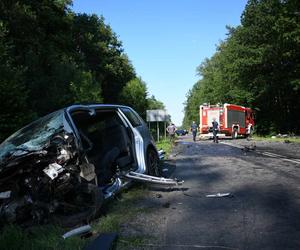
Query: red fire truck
{"points": [[233, 120]]}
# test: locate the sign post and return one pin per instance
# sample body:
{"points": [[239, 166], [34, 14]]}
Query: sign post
{"points": [[157, 130], [158, 115]]}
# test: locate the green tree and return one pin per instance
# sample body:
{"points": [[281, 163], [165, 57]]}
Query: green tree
{"points": [[257, 66], [52, 57], [134, 94], [14, 111], [100, 51], [153, 103], [271, 32], [84, 89]]}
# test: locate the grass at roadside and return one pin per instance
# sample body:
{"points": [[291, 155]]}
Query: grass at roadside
{"points": [[119, 211], [165, 145], [40, 237], [277, 139]]}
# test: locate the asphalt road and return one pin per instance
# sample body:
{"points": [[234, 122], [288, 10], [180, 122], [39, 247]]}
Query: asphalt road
{"points": [[262, 211]]}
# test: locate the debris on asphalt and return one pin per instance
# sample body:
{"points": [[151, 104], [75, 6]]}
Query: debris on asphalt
{"points": [[282, 136], [175, 154], [103, 241], [248, 148], [218, 195], [77, 231], [158, 195]]}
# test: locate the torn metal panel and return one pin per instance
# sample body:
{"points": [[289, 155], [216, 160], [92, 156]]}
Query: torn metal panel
{"points": [[5, 195], [53, 170], [87, 171], [161, 154], [77, 231], [153, 179]]}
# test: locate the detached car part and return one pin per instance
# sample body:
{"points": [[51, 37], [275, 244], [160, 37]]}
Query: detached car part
{"points": [[153, 179], [77, 231]]}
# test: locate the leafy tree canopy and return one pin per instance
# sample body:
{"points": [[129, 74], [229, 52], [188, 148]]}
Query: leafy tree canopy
{"points": [[51, 57], [258, 65]]}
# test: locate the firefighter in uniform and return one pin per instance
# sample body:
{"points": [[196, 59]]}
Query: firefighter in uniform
{"points": [[215, 127], [194, 128]]}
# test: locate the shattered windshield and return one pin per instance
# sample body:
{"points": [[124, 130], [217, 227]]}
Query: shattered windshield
{"points": [[32, 137]]}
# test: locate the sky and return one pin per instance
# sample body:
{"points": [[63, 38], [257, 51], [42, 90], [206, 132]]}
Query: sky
{"points": [[166, 40]]}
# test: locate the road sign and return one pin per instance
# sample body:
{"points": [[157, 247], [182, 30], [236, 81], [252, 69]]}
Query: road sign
{"points": [[157, 115]]}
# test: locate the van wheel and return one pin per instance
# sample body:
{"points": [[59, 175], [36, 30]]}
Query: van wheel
{"points": [[152, 162], [234, 134]]}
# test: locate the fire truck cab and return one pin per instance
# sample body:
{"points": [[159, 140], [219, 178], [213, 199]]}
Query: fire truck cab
{"points": [[234, 120]]}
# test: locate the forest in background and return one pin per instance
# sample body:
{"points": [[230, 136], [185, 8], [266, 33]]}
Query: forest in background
{"points": [[258, 66], [51, 57]]}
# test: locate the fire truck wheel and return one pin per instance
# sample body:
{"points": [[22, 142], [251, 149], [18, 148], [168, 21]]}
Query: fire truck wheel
{"points": [[234, 134]]}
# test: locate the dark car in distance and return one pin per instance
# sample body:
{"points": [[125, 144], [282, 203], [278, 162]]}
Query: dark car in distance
{"points": [[180, 132]]}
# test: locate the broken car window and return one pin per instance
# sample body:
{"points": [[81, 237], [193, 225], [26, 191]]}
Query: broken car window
{"points": [[34, 136]]}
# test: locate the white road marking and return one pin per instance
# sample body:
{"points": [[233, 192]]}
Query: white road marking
{"points": [[269, 154], [281, 157]]}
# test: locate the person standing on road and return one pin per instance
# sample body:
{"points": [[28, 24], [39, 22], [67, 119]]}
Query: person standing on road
{"points": [[171, 131], [194, 128], [215, 127]]}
